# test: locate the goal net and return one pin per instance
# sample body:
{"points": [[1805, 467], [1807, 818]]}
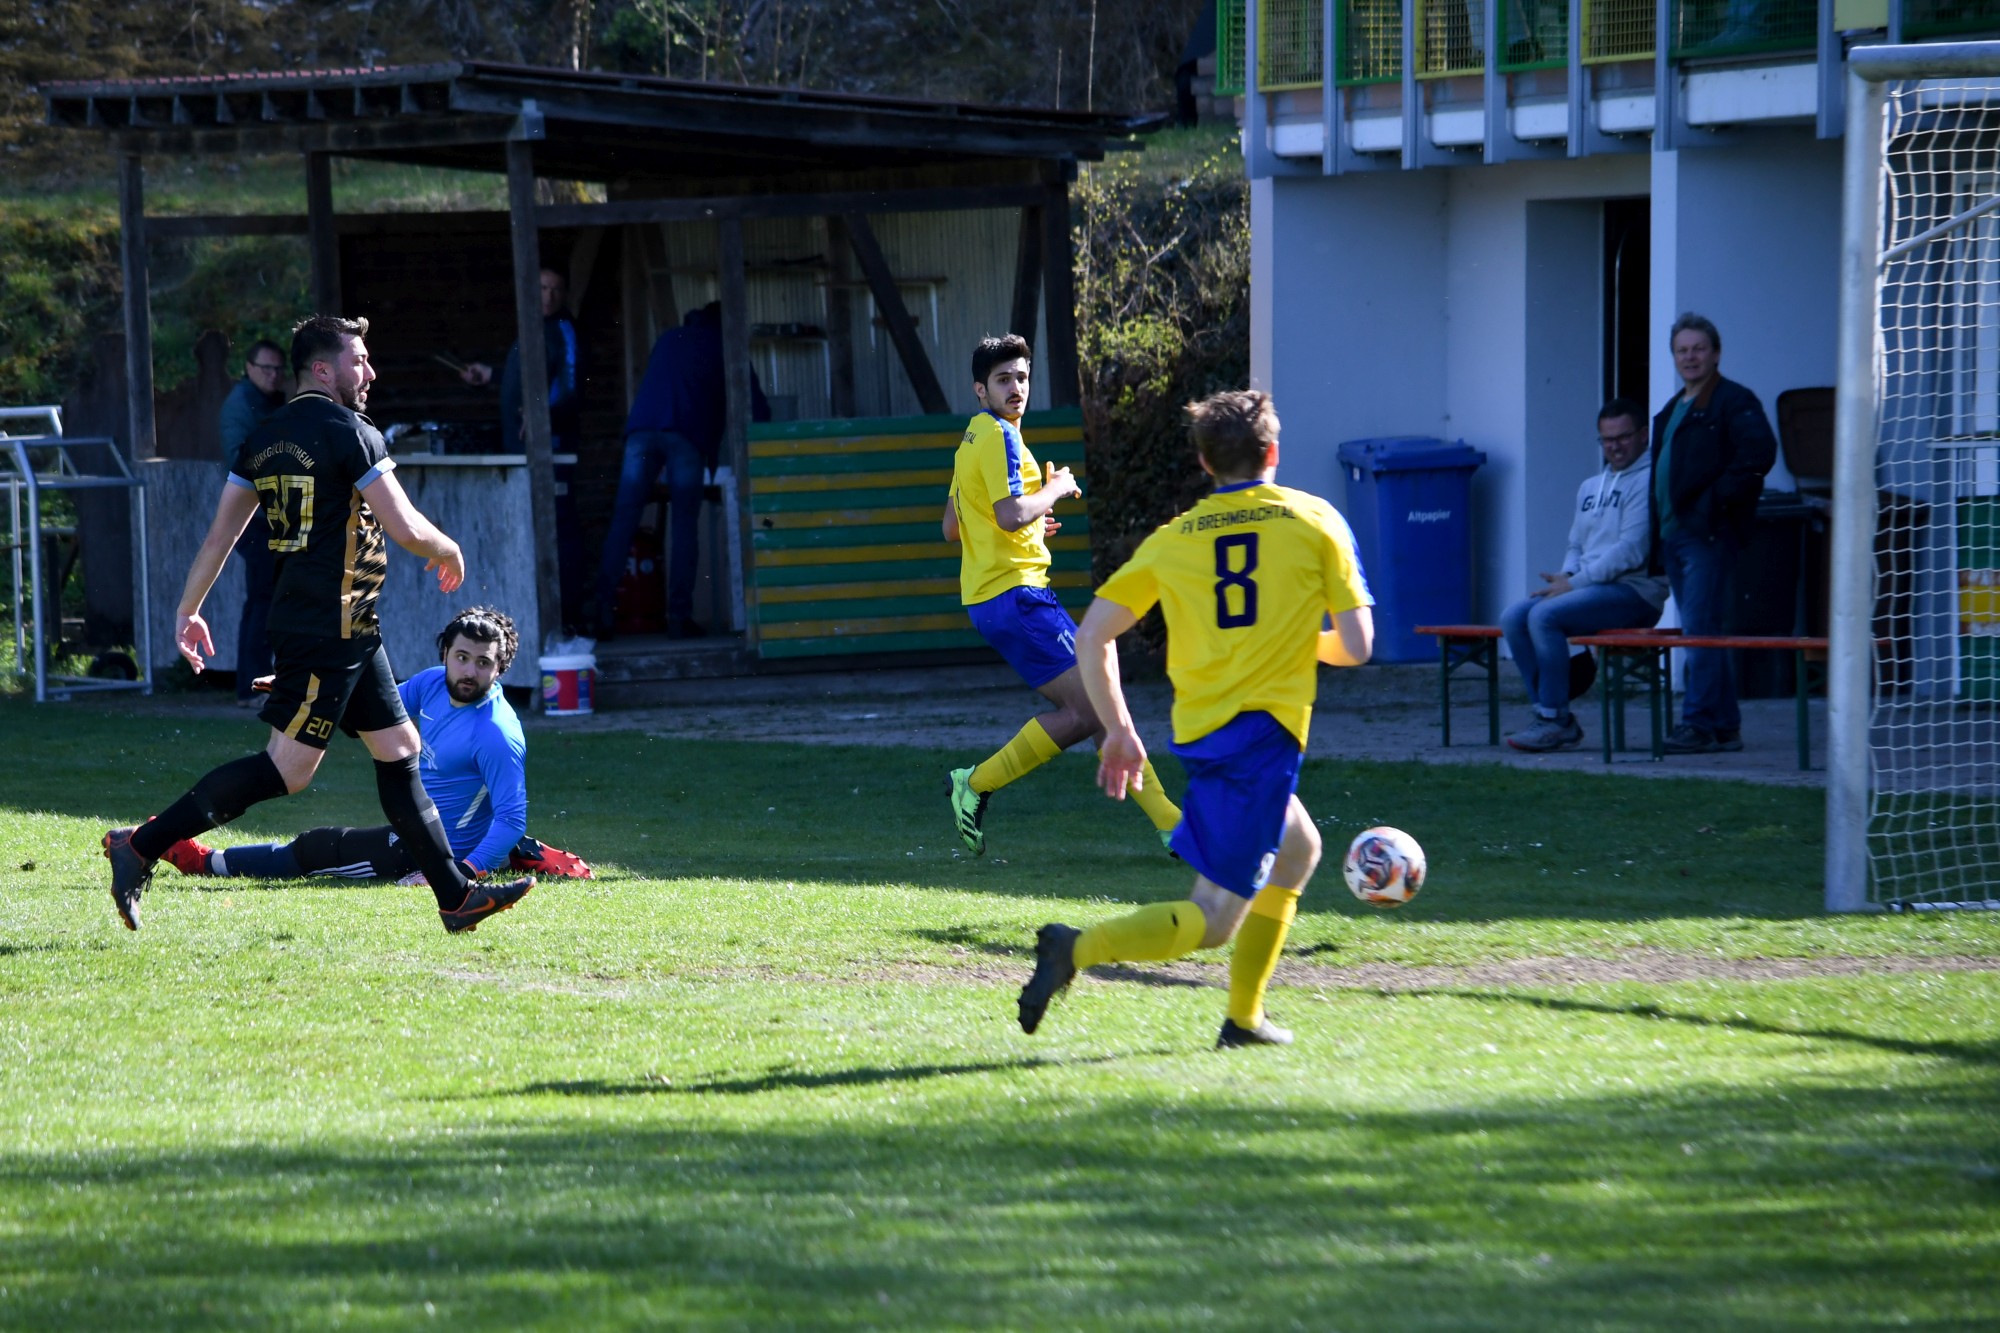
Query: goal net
{"points": [[1917, 782]]}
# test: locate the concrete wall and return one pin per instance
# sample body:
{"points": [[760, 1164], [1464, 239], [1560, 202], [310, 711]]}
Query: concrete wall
{"points": [[1403, 303], [484, 509], [1749, 235], [1467, 303]]}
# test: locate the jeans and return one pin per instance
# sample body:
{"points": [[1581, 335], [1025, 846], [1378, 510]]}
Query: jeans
{"points": [[1698, 570], [260, 576], [1539, 629], [646, 452]]}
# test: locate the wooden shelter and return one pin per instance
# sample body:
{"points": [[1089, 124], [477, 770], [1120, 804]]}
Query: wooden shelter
{"points": [[665, 152]]}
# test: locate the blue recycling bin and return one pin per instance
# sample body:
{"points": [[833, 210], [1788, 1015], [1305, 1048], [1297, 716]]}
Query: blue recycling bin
{"points": [[1409, 501]]}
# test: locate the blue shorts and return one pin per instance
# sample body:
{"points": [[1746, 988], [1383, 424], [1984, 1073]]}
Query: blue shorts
{"points": [[1029, 628], [1240, 780]]}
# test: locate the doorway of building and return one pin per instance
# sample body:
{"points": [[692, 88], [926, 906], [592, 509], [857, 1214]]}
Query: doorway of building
{"points": [[1627, 286]]}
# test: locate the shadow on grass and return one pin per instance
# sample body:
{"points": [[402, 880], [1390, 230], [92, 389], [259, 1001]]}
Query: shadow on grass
{"points": [[1702, 1209], [1979, 1053], [769, 812], [782, 1080]]}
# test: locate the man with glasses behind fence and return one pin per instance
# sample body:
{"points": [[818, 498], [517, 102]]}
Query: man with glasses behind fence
{"points": [[1603, 584], [262, 390]]}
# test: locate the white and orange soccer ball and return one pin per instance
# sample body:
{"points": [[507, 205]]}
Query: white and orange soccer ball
{"points": [[1384, 867]]}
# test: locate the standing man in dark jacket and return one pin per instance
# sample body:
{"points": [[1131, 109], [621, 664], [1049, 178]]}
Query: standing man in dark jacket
{"points": [[559, 345], [256, 396], [675, 423], [1712, 445]]}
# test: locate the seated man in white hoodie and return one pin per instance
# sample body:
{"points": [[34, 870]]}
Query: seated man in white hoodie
{"points": [[1603, 583]]}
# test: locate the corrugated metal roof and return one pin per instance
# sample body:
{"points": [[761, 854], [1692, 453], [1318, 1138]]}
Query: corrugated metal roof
{"points": [[598, 124]]}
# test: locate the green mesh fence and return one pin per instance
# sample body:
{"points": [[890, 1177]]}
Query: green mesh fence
{"points": [[1940, 18], [1451, 37], [1617, 30], [1288, 44], [1534, 34], [1230, 64], [1740, 27], [1371, 42]]}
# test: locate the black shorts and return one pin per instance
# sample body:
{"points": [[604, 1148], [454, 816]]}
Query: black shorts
{"points": [[326, 683]]}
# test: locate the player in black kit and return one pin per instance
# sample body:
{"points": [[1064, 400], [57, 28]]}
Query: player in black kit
{"points": [[326, 483]]}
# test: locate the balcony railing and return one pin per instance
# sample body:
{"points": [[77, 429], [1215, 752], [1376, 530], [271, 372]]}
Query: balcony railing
{"points": [[1371, 42], [1743, 27], [1947, 18], [1288, 45], [1534, 34], [1230, 61], [1617, 30]]}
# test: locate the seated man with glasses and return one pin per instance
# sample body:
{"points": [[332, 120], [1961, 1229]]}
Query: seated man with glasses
{"points": [[265, 385], [1603, 583]]}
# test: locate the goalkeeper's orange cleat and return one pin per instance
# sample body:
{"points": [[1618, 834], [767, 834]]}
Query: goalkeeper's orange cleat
{"points": [[538, 858], [188, 856]]}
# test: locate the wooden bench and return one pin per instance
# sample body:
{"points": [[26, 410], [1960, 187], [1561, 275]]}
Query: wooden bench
{"points": [[1474, 646], [1643, 655], [844, 519]]}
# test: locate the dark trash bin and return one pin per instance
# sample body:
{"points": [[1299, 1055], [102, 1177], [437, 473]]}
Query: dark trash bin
{"points": [[1409, 501]]}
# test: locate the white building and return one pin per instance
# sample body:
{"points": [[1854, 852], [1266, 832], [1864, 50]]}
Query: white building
{"points": [[1487, 250]]}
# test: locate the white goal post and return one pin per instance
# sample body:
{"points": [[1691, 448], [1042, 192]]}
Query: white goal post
{"points": [[1913, 687]]}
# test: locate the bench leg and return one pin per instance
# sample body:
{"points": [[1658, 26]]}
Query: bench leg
{"points": [[1604, 698], [1662, 699], [1799, 683], [1492, 691], [1444, 688]]}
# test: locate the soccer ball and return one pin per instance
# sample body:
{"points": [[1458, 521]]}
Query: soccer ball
{"points": [[1384, 867]]}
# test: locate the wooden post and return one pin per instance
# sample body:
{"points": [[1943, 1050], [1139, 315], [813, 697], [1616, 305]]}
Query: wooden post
{"points": [[1027, 274], [1059, 289], [736, 411], [534, 385], [839, 319], [139, 442], [635, 320], [323, 245], [902, 329]]}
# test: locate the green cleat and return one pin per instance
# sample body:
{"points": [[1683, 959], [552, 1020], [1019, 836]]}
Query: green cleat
{"points": [[1055, 967], [968, 809], [1266, 1033]]}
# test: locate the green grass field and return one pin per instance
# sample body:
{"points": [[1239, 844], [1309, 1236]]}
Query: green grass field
{"points": [[764, 1073]]}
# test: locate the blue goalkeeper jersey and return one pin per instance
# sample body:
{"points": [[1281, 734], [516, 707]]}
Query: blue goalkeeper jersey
{"points": [[474, 766]]}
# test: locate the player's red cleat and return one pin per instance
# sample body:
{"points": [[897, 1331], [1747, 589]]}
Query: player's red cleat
{"points": [[188, 856], [538, 858]]}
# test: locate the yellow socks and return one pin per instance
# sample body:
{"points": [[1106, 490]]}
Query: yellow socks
{"points": [[1149, 935], [1031, 747], [1258, 940], [1152, 798]]}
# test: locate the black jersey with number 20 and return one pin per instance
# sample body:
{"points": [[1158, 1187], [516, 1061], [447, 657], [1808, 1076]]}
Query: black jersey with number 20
{"points": [[308, 462]]}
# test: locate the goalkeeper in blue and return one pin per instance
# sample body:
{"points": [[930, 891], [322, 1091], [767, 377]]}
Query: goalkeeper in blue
{"points": [[1246, 580], [473, 765]]}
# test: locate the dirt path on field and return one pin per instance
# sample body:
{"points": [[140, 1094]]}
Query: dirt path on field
{"points": [[1299, 970], [1385, 713]]}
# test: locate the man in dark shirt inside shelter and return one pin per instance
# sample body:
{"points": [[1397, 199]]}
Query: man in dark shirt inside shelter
{"points": [[676, 423], [565, 379]]}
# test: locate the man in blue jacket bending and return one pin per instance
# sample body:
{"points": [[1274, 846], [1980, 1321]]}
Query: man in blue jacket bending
{"points": [[473, 766], [676, 423]]}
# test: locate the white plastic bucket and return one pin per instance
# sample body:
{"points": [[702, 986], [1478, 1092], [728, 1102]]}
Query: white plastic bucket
{"points": [[568, 682]]}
